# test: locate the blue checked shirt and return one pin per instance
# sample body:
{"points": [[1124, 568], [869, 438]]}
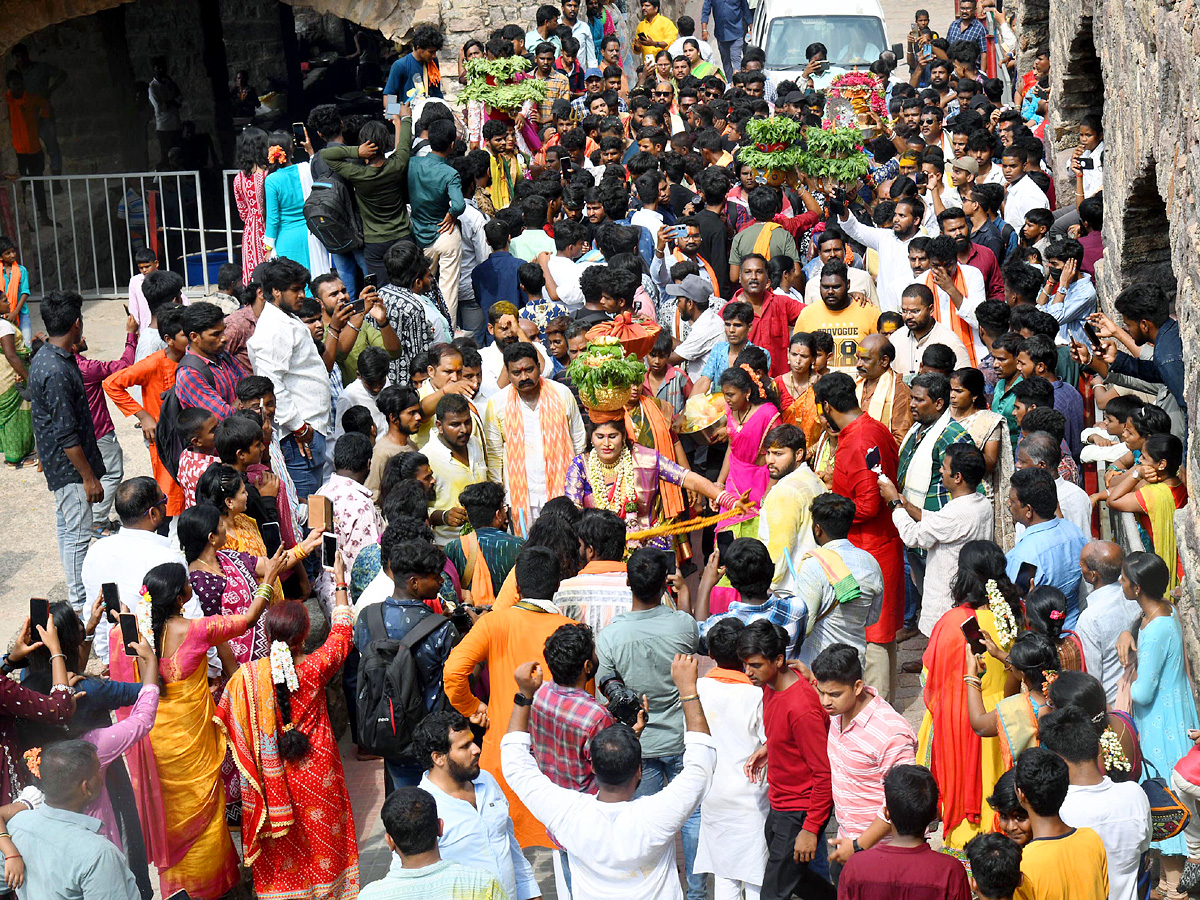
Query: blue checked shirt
{"points": [[783, 608], [976, 32]]}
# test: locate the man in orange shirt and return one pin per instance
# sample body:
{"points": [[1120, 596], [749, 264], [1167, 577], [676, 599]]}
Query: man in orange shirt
{"points": [[154, 375], [25, 111], [504, 639]]}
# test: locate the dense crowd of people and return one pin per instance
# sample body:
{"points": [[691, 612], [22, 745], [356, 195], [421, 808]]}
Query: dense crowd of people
{"points": [[598, 465]]}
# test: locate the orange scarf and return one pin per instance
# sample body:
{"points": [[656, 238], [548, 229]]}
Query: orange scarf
{"points": [[961, 326], [12, 290], [477, 577], [728, 676], [664, 444], [712, 274], [762, 243], [557, 450], [433, 76]]}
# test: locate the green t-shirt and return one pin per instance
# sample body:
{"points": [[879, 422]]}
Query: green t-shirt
{"points": [[781, 244]]}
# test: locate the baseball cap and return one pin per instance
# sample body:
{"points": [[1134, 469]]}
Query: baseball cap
{"points": [[593, 72], [967, 164], [693, 287]]}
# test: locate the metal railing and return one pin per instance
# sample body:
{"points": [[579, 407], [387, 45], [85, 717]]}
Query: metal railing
{"points": [[80, 232]]}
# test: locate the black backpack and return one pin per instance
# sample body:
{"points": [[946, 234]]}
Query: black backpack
{"points": [[329, 213], [167, 438], [391, 693]]}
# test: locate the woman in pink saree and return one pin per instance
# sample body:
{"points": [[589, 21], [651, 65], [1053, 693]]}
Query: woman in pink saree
{"points": [[750, 414], [176, 774]]}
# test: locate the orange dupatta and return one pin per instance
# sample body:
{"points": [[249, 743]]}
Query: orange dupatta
{"points": [[664, 444], [12, 290], [955, 749], [478, 577], [247, 713], [556, 438], [961, 327]]}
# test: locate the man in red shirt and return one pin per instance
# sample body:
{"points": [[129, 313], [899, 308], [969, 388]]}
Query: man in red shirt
{"points": [[799, 788], [859, 437], [774, 314]]}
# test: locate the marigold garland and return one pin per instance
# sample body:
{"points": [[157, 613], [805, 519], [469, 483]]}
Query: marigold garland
{"points": [[852, 84]]}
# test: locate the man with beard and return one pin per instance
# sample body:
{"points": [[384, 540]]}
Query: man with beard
{"points": [[784, 520], [840, 314], [476, 828], [891, 245], [774, 314], [939, 79], [376, 331], [880, 388], [862, 440], [532, 431], [957, 291], [920, 473], [954, 224], [687, 247], [456, 458], [401, 406], [504, 326], [831, 244], [921, 330]]}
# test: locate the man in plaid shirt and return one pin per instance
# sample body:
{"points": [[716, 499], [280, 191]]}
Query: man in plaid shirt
{"points": [[565, 716], [558, 86], [968, 28]]}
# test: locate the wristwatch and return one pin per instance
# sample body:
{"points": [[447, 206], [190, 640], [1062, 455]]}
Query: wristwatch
{"points": [[854, 844], [895, 504], [521, 700]]}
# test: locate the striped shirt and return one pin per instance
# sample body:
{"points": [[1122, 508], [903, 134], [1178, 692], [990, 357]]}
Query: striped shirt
{"points": [[193, 389], [859, 757]]}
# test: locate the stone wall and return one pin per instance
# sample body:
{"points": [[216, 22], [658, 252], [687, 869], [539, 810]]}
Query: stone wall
{"points": [[1136, 59]]}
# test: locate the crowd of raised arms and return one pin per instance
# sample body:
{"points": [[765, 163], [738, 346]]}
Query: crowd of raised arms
{"points": [[592, 455]]}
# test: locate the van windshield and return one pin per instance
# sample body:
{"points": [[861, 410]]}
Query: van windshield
{"points": [[848, 39]]}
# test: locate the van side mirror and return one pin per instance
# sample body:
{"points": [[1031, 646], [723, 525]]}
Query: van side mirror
{"points": [[898, 49]]}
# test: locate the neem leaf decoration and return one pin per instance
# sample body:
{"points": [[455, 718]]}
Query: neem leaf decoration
{"points": [[502, 83], [772, 143]]}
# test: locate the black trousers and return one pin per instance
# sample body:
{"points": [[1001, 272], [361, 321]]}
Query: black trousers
{"points": [[784, 876]]}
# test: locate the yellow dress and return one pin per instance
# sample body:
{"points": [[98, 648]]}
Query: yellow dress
{"points": [[991, 763]]}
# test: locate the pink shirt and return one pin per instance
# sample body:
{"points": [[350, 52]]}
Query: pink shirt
{"points": [[859, 757]]}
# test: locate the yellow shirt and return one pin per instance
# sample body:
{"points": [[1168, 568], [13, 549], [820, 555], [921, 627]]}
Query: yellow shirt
{"points": [[848, 327], [1071, 867], [452, 476], [662, 30]]}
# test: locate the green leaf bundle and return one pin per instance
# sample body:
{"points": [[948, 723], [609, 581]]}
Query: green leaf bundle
{"points": [[605, 366], [768, 131], [834, 153], [504, 94]]}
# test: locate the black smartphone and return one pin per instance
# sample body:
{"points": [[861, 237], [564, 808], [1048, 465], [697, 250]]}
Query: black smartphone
{"points": [[873, 458], [1086, 163], [112, 598], [270, 536], [370, 280], [974, 635], [328, 550], [1093, 338], [357, 306], [129, 631], [39, 614], [565, 165], [1025, 576], [298, 134]]}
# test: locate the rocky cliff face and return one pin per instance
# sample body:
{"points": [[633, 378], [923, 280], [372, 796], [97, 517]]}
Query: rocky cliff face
{"points": [[1136, 61]]}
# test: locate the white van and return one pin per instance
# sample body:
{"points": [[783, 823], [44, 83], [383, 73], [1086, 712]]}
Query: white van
{"points": [[853, 31]]}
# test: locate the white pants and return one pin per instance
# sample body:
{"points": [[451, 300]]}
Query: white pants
{"points": [[445, 255], [728, 889], [1189, 796]]}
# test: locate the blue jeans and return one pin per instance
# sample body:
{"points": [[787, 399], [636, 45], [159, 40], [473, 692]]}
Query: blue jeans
{"points": [[657, 773], [73, 523], [307, 477], [348, 266], [400, 775], [114, 474], [26, 325], [731, 56]]}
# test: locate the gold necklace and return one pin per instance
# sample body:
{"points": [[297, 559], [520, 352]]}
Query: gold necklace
{"points": [[217, 569]]}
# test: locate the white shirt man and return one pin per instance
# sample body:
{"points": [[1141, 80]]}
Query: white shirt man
{"points": [[124, 559], [708, 327], [475, 248], [566, 272], [481, 835], [942, 533], [1120, 814], [910, 349], [976, 294], [535, 442], [630, 843], [1108, 613], [1020, 198], [282, 348], [894, 271]]}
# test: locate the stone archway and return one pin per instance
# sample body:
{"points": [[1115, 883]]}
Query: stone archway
{"points": [[1145, 251], [391, 17]]}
